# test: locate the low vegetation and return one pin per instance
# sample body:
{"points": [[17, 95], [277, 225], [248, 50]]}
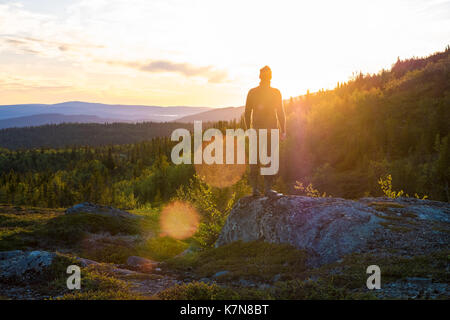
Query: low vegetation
{"points": [[258, 261]]}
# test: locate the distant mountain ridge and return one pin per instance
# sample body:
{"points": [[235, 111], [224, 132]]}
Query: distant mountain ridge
{"points": [[86, 111], [51, 118], [29, 115], [221, 114]]}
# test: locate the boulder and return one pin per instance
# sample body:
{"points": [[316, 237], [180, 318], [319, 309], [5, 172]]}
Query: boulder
{"points": [[20, 265], [87, 207], [329, 228]]}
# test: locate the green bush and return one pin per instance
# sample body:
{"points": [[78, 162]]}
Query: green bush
{"points": [[213, 204]]}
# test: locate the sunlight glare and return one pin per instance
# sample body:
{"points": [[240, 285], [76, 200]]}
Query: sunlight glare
{"points": [[179, 220]]}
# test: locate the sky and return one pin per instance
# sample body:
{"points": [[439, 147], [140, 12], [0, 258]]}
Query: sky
{"points": [[204, 52]]}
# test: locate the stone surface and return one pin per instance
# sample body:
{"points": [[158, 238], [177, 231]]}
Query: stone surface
{"points": [[413, 289], [20, 265], [329, 228], [221, 273], [87, 207], [86, 262]]}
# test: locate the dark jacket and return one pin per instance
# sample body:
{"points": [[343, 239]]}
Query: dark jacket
{"points": [[266, 106]]}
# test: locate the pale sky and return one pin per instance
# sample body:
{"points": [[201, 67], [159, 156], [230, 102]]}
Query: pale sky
{"points": [[204, 52]]}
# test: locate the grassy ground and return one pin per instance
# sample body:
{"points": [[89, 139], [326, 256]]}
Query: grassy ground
{"points": [[99, 238], [282, 272], [255, 270], [256, 261]]}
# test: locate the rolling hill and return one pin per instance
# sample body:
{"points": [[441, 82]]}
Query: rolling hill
{"points": [[86, 111], [222, 114], [51, 118]]}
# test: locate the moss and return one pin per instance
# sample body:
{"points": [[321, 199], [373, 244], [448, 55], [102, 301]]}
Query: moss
{"points": [[150, 221], [142, 276], [351, 272], [101, 295], [195, 291], [395, 228], [54, 278], [19, 228], [116, 250], [381, 206], [255, 260], [286, 290], [72, 228], [391, 218], [53, 229], [315, 290], [400, 229], [112, 252], [161, 248], [16, 230], [408, 214], [441, 229], [96, 284], [202, 291]]}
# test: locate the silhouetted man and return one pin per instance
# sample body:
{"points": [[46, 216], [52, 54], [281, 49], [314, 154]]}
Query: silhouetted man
{"points": [[264, 110]]}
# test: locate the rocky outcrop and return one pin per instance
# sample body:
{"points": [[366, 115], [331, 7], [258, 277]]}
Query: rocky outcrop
{"points": [[329, 228], [87, 207], [21, 265]]}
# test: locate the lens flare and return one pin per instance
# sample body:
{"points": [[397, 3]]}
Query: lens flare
{"points": [[220, 175], [179, 220]]}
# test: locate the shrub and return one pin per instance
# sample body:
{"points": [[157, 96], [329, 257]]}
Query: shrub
{"points": [[386, 187], [201, 196]]}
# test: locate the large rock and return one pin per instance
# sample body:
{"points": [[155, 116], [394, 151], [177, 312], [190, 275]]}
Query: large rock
{"points": [[87, 207], [329, 228], [21, 265]]}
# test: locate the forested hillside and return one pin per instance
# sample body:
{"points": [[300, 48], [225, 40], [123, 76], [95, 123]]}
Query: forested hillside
{"points": [[126, 176], [85, 134], [394, 122]]}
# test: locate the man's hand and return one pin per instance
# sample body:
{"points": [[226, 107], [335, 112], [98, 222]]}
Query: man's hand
{"points": [[283, 136]]}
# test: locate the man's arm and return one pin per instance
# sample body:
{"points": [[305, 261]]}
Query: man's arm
{"points": [[248, 111], [280, 113]]}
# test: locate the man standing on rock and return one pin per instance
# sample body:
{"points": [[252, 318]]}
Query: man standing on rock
{"points": [[264, 110]]}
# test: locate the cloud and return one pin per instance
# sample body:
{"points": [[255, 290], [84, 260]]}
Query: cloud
{"points": [[436, 9], [44, 47], [158, 66], [24, 84], [47, 35]]}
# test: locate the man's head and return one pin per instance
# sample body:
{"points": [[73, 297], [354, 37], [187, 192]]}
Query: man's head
{"points": [[265, 74]]}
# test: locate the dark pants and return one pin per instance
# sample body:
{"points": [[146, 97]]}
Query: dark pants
{"points": [[255, 170]]}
